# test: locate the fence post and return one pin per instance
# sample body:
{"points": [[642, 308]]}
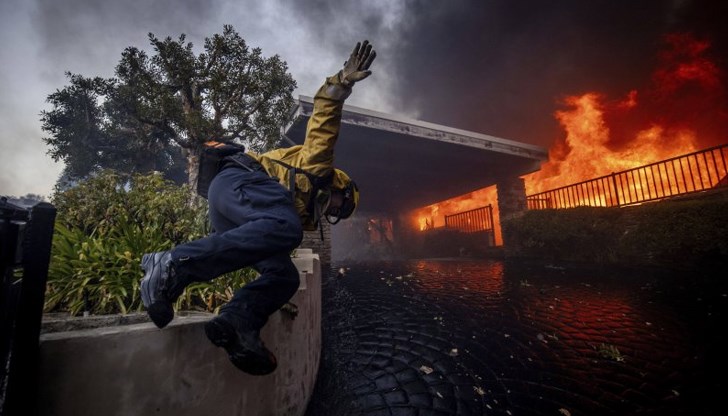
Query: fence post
{"points": [[26, 242], [616, 191]]}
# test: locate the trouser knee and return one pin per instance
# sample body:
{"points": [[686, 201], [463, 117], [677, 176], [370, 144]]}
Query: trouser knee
{"points": [[285, 275]]}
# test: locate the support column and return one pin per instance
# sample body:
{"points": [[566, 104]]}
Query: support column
{"points": [[312, 240], [511, 200]]}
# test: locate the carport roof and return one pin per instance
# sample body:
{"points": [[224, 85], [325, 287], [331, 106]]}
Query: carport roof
{"points": [[401, 164]]}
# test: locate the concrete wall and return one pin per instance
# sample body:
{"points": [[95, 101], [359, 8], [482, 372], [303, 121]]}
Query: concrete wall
{"points": [[140, 370]]}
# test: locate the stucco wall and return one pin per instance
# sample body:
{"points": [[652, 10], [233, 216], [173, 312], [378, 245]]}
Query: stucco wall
{"points": [[140, 370]]}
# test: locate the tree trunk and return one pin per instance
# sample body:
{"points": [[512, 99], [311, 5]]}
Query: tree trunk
{"points": [[193, 170]]}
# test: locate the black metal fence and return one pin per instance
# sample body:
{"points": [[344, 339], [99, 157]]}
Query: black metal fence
{"points": [[478, 220], [25, 248], [695, 172]]}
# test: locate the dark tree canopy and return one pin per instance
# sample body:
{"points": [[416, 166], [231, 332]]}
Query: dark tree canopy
{"points": [[158, 107]]}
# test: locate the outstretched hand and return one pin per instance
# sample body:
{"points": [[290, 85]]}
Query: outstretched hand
{"points": [[356, 68]]}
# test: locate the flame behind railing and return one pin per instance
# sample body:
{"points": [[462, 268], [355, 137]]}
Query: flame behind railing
{"points": [[694, 172], [474, 220]]}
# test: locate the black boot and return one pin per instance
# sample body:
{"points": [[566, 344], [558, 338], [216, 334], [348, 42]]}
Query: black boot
{"points": [[160, 287], [243, 345]]}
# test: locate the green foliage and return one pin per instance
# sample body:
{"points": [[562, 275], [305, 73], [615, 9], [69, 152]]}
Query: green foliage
{"points": [[103, 228], [678, 232], [99, 272], [573, 235], [75, 123], [209, 296], [111, 200], [668, 233], [158, 105]]}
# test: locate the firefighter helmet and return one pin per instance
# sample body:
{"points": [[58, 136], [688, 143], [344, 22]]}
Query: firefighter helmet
{"points": [[342, 183]]}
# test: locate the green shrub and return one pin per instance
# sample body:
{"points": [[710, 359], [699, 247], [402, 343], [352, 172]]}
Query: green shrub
{"points": [[209, 296], [578, 234], [684, 231], [103, 228], [110, 200], [687, 233]]}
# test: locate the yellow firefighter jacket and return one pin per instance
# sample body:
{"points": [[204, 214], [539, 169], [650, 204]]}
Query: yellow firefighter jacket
{"points": [[316, 154]]}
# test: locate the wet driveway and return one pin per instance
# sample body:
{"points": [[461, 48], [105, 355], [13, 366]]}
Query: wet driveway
{"points": [[493, 338]]}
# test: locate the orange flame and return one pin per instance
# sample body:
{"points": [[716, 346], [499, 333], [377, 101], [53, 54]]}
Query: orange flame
{"points": [[586, 153], [433, 216], [667, 120], [684, 109]]}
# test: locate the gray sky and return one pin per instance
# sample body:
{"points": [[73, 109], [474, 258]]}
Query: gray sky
{"points": [[498, 67]]}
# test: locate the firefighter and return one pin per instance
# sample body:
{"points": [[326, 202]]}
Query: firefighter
{"points": [[259, 206]]}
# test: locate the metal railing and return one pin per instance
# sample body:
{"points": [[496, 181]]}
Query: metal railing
{"points": [[474, 220], [694, 172], [25, 249]]}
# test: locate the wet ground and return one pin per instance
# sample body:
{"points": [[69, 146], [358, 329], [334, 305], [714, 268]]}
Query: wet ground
{"points": [[492, 338]]}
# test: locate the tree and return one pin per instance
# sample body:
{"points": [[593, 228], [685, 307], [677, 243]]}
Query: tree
{"points": [[161, 106]]}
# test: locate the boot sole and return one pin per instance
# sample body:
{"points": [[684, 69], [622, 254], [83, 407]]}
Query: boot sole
{"points": [[245, 358], [161, 313]]}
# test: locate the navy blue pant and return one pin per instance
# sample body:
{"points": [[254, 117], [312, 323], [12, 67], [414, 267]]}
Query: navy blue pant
{"points": [[255, 225]]}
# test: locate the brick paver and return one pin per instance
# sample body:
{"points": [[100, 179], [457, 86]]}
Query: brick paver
{"points": [[483, 337]]}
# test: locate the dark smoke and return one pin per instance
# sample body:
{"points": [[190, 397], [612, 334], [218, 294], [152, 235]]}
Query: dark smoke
{"points": [[64, 29], [501, 67]]}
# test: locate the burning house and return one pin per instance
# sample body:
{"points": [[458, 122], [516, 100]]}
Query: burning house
{"points": [[402, 165], [422, 181]]}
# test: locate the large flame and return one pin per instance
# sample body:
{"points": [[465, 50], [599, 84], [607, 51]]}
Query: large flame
{"points": [[681, 110], [433, 216], [586, 151]]}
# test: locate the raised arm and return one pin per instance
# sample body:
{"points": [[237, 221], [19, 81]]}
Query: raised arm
{"points": [[317, 154]]}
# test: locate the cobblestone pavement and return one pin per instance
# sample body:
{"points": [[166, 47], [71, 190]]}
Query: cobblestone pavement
{"points": [[485, 337]]}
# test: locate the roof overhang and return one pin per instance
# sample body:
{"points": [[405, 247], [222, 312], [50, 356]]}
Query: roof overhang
{"points": [[401, 164]]}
